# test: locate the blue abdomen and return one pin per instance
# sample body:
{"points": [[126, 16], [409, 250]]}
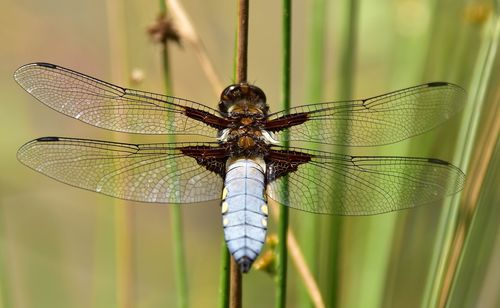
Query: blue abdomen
{"points": [[244, 209]]}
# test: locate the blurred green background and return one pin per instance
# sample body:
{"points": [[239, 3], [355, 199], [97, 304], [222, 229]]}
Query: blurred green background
{"points": [[65, 247]]}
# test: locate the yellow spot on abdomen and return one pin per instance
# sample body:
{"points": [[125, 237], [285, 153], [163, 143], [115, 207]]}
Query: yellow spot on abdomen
{"points": [[224, 193], [264, 222], [225, 207], [225, 221], [264, 209]]}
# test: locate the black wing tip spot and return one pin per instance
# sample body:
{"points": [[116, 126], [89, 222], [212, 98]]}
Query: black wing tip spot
{"points": [[45, 64], [439, 162], [47, 139], [438, 84], [445, 84], [24, 67]]}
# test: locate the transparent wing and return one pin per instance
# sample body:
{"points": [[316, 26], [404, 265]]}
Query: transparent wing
{"points": [[363, 185], [379, 120], [143, 172], [105, 105]]}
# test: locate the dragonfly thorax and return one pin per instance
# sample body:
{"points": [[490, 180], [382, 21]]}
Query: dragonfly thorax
{"points": [[247, 138]]}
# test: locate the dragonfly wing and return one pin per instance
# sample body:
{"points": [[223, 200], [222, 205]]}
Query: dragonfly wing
{"points": [[139, 172], [105, 105], [379, 120], [359, 185]]}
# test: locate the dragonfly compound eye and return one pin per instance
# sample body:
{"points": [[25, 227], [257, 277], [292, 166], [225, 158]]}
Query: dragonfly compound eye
{"points": [[242, 94]]}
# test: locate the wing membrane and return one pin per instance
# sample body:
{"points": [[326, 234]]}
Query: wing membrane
{"points": [[143, 172], [378, 120], [105, 105], [365, 185]]}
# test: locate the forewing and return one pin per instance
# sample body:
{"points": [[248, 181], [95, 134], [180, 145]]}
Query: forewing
{"points": [[142, 172], [374, 121], [360, 185], [105, 105]]}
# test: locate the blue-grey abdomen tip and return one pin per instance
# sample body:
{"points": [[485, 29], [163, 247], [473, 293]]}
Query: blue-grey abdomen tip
{"points": [[245, 264]]}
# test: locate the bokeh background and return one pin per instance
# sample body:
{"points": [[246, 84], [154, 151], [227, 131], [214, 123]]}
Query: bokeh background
{"points": [[65, 247]]}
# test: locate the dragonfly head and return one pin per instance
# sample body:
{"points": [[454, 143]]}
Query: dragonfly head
{"points": [[243, 98]]}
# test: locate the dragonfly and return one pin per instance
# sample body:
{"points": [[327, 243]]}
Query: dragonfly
{"points": [[247, 160]]}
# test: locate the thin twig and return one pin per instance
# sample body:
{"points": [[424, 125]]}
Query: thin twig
{"points": [[304, 272], [300, 264], [187, 33]]}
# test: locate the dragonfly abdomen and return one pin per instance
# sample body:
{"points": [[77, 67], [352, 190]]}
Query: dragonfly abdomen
{"points": [[244, 209]]}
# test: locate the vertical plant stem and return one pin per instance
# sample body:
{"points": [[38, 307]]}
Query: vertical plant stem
{"points": [[179, 257], [281, 276], [315, 64], [478, 277], [241, 76], [242, 42], [335, 227], [175, 210], [345, 78], [123, 213], [235, 294], [224, 276], [443, 262], [479, 87], [348, 49]]}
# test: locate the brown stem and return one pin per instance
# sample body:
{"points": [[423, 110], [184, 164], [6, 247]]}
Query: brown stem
{"points": [[242, 46], [235, 296]]}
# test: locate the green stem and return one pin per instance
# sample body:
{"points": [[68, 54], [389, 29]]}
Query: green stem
{"points": [[348, 49], [315, 62], [435, 295], [345, 78], [117, 40], [179, 257], [224, 276], [225, 257], [285, 103], [175, 211]]}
